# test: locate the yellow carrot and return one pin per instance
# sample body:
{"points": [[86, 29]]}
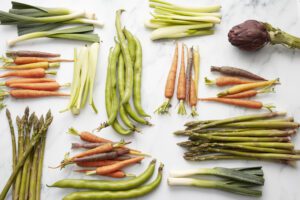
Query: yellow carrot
{"points": [[196, 68]]}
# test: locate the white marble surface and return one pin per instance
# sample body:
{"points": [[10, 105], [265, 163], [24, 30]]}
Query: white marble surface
{"points": [[282, 182]]}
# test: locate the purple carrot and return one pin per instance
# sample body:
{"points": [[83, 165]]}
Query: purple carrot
{"points": [[25, 53], [86, 145], [103, 156], [189, 73]]}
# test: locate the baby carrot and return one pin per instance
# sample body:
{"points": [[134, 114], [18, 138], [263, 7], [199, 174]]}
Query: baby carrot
{"points": [[24, 53], [116, 174], [227, 80], [239, 102], [99, 163], [23, 94], [28, 73], [233, 71], [28, 60], [196, 57], [100, 149], [88, 137], [181, 85], [115, 167], [170, 85], [248, 86], [193, 99], [49, 86], [189, 69], [44, 65], [249, 93], [26, 80]]}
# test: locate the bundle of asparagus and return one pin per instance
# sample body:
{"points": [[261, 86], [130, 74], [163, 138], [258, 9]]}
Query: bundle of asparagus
{"points": [[265, 136]]}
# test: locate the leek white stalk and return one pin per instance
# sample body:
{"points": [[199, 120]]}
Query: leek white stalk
{"points": [[93, 60], [211, 19], [185, 13], [85, 21], [152, 25]]}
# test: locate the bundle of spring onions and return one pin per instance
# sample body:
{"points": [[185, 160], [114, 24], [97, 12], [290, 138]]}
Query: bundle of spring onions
{"points": [[244, 84], [37, 22], [187, 84], [27, 155], [30, 68], [265, 136], [177, 21], [234, 180], [85, 67], [123, 82]]}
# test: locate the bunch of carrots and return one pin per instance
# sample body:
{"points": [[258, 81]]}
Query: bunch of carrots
{"points": [[187, 84], [30, 68], [28, 150], [101, 156], [244, 84]]}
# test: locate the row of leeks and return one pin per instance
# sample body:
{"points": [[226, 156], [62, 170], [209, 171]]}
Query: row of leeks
{"points": [[37, 22], [176, 21], [85, 65]]}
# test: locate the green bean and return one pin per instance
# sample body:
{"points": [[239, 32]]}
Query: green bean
{"points": [[127, 59], [137, 79], [131, 44], [133, 193], [121, 85], [108, 185]]}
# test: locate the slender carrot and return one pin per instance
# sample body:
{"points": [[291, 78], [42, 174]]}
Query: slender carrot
{"points": [[86, 145], [100, 149], [26, 80], [24, 94], [99, 163], [196, 57], [28, 60], [29, 73], [170, 85], [193, 98], [249, 93], [248, 86], [233, 71], [115, 167], [189, 69], [227, 80], [88, 137], [23, 53], [116, 174], [47, 86], [44, 65], [239, 102], [181, 85]]}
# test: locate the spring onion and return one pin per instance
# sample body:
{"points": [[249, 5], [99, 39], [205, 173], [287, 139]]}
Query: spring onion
{"points": [[176, 21]]}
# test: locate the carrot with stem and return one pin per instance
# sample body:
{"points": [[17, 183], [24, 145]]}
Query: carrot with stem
{"points": [[29, 60], [189, 69], [28, 73], [47, 86], [227, 80], [26, 80], [239, 102], [24, 94], [115, 167], [99, 163], [24, 53], [249, 93], [193, 98], [116, 174], [181, 85], [87, 136], [196, 57], [44, 65], [248, 86], [170, 85]]}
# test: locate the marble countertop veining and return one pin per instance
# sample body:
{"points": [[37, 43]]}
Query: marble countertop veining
{"points": [[282, 182]]}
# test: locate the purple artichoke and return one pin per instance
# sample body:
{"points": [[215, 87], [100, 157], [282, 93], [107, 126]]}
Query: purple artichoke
{"points": [[252, 35]]}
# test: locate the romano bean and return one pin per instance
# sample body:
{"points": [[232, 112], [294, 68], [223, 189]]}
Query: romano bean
{"points": [[108, 185], [133, 193], [131, 44]]}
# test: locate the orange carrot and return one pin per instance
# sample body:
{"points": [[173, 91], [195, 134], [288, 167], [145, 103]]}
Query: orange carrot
{"points": [[193, 98], [238, 102], [116, 174], [23, 94], [99, 163], [100, 149], [44, 65], [181, 85], [115, 167], [88, 137], [249, 93], [29, 73], [26, 80], [170, 85], [227, 80], [28, 60], [48, 86]]}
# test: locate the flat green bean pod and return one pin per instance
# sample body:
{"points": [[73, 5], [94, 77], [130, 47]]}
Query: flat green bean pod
{"points": [[133, 193], [131, 44], [108, 185]]}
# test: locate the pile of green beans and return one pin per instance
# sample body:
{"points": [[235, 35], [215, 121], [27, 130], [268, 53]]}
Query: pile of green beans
{"points": [[265, 136], [124, 72], [123, 189]]}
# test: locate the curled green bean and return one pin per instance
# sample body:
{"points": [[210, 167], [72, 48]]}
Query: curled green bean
{"points": [[133, 193], [127, 59], [108, 185]]}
